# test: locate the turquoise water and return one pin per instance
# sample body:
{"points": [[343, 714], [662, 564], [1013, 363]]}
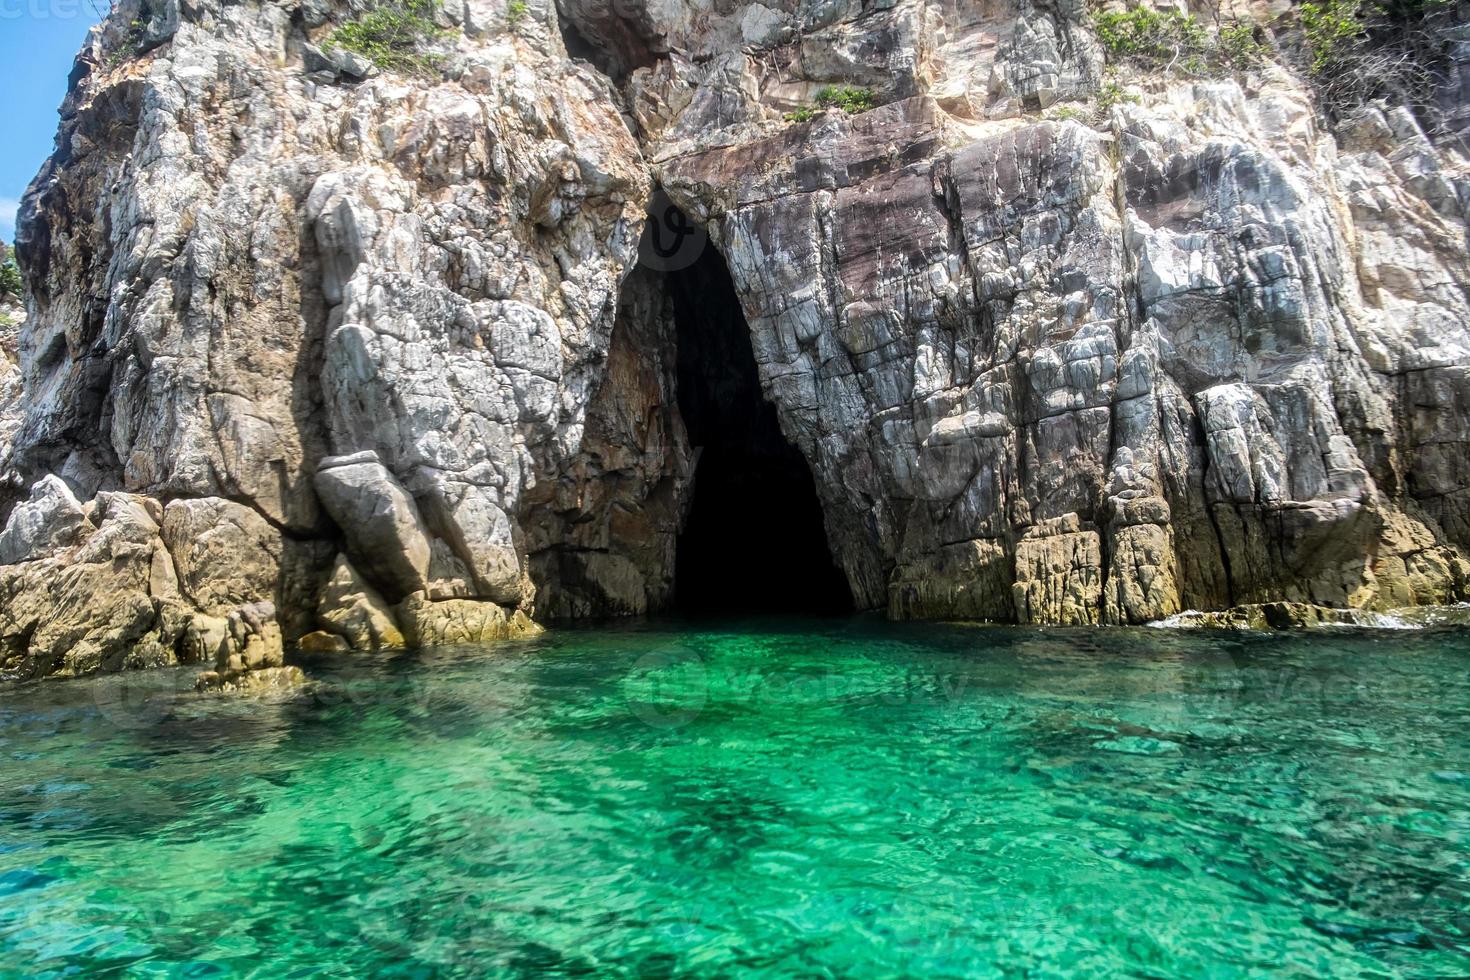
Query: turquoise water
{"points": [[841, 798]]}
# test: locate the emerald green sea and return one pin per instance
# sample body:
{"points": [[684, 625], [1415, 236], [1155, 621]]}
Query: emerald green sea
{"points": [[842, 798]]}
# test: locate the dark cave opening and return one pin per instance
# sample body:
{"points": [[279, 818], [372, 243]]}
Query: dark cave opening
{"points": [[614, 40], [753, 540], [581, 49]]}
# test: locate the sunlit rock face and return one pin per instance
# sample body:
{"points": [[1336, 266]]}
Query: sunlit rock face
{"points": [[1067, 375], [397, 333]]}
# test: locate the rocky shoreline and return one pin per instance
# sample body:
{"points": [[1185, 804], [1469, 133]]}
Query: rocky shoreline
{"points": [[322, 354]]}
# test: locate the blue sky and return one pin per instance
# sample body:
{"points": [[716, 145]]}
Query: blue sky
{"points": [[38, 40]]}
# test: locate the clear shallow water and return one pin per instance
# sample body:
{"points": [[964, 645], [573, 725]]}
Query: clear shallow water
{"points": [[842, 798]]}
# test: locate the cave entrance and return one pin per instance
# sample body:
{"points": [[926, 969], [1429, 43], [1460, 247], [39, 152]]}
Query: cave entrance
{"points": [[754, 540]]}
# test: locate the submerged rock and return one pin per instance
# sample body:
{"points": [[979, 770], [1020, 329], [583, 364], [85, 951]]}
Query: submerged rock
{"points": [[270, 680], [321, 641]]}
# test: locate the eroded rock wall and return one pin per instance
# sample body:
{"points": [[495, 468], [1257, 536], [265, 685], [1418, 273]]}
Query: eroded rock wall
{"points": [[1192, 353], [1048, 361], [261, 281]]}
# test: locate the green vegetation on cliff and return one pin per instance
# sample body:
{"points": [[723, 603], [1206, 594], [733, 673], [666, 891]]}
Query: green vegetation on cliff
{"points": [[1356, 51], [395, 36], [10, 285], [1351, 51], [849, 98], [1170, 41]]}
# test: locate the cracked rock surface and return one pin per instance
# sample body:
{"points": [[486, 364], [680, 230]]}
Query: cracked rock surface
{"points": [[313, 349]]}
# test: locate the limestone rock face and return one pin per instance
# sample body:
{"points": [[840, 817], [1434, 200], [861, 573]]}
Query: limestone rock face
{"points": [[49, 521], [12, 318], [1156, 336], [379, 519], [604, 536], [121, 582], [225, 554], [283, 307], [460, 621], [354, 611], [106, 601]]}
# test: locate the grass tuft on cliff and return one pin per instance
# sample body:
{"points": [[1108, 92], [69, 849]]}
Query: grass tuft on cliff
{"points": [[849, 98], [129, 46], [395, 35]]}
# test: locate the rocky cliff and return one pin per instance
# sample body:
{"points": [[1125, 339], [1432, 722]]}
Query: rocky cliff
{"points": [[349, 354]]}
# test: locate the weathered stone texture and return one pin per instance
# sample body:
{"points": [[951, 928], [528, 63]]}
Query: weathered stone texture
{"points": [[377, 350]]}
